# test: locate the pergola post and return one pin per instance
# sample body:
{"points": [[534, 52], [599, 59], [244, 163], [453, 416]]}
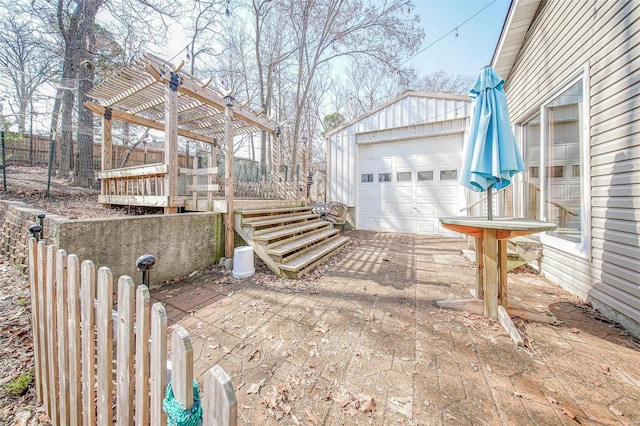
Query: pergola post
{"points": [[171, 140], [228, 174], [107, 141]]}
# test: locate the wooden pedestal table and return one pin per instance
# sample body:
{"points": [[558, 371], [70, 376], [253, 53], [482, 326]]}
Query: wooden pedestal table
{"points": [[491, 298]]}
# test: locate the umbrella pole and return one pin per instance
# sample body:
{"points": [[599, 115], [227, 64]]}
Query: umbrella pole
{"points": [[490, 203]]}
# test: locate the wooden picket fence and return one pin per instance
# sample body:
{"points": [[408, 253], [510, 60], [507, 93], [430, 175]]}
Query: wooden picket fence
{"points": [[77, 332]]}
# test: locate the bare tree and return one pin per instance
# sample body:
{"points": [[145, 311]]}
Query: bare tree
{"points": [[26, 60], [443, 82], [75, 22], [325, 30], [203, 24], [366, 85]]}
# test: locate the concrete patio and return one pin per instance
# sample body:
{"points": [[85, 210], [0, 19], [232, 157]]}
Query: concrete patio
{"points": [[365, 343]]}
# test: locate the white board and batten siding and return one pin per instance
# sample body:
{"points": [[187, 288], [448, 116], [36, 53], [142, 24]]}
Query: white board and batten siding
{"points": [[416, 140], [603, 40]]}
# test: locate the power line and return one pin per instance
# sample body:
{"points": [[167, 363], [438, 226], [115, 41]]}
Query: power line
{"points": [[453, 31]]}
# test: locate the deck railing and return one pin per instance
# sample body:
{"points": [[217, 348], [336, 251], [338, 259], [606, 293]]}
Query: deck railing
{"points": [[77, 332], [138, 185]]}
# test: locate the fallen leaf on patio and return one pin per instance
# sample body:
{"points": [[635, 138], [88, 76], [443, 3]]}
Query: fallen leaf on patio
{"points": [[368, 406], [404, 325], [351, 411], [285, 408], [615, 411], [569, 414], [281, 389], [312, 418], [402, 405], [255, 387], [254, 354]]}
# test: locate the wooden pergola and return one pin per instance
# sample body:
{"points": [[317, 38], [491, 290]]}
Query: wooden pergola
{"points": [[153, 93]]}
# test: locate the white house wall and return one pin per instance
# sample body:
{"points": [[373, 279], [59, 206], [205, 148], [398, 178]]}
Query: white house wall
{"points": [[603, 38]]}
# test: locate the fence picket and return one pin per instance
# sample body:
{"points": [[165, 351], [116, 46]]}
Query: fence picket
{"points": [[41, 281], [182, 367], [63, 360], [143, 329], [125, 347], [158, 363], [219, 402], [75, 349], [33, 285], [75, 354], [52, 334], [104, 325], [88, 343]]}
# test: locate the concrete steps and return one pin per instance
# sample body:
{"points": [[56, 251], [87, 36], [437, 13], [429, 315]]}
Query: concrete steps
{"points": [[291, 240]]}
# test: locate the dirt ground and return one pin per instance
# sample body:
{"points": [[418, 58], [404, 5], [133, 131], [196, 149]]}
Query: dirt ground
{"points": [[387, 273]]}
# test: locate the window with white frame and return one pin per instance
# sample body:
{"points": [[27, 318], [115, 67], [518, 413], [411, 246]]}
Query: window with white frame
{"points": [[554, 149]]}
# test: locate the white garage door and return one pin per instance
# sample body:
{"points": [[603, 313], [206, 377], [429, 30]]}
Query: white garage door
{"points": [[406, 186]]}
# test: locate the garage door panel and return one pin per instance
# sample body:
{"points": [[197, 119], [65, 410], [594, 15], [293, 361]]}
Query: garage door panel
{"points": [[438, 193], [396, 208], [430, 191], [368, 208], [396, 191], [426, 227], [448, 209], [396, 225], [376, 164], [387, 224], [368, 223], [424, 208], [405, 225], [405, 163], [423, 161]]}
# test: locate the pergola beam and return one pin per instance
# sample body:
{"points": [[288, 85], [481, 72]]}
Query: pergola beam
{"points": [[134, 119], [210, 97]]}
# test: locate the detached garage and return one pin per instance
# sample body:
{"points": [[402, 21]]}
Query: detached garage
{"points": [[397, 166]]}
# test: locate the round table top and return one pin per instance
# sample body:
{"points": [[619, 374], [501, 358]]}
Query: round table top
{"points": [[505, 223]]}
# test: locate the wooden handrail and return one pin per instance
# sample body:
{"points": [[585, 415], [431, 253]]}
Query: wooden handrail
{"points": [[135, 171], [554, 203], [481, 200]]}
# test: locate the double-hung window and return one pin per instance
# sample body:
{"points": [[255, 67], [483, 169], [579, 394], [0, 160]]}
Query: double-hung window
{"points": [[555, 151]]}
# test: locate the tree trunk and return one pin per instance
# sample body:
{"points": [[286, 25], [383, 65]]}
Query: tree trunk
{"points": [[84, 170], [66, 136], [68, 28]]}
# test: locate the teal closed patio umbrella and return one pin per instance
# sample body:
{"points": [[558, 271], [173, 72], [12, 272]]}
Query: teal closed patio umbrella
{"points": [[491, 156]]}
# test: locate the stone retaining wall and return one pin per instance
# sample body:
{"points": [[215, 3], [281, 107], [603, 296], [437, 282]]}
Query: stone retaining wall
{"points": [[181, 243]]}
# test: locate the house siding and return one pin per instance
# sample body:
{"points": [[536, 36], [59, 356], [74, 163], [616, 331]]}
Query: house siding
{"points": [[604, 36]]}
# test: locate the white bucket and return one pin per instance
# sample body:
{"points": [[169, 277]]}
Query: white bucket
{"points": [[243, 262]]}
